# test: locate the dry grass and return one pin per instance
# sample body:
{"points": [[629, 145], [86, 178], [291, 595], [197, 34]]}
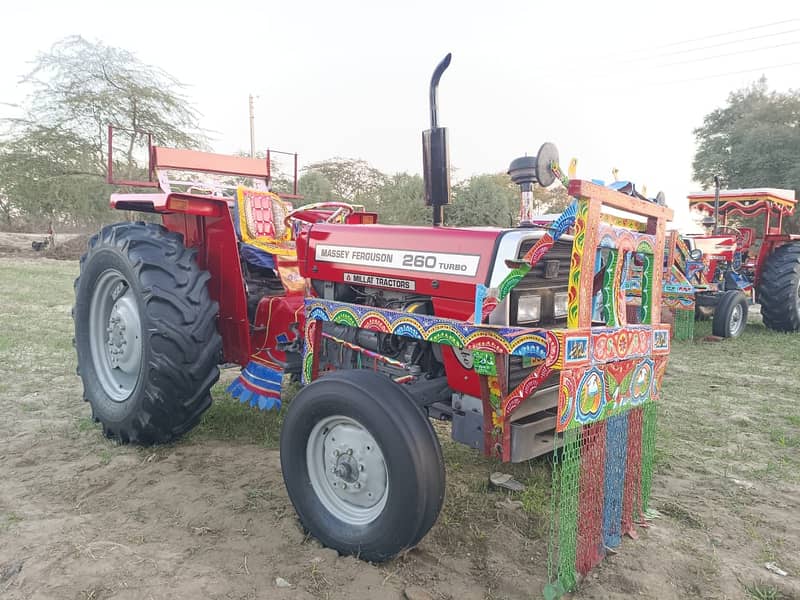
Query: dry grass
{"points": [[730, 422]]}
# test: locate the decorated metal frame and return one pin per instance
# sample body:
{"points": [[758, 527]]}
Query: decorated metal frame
{"points": [[604, 370]]}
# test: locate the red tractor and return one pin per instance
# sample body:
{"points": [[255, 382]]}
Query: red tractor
{"points": [[734, 265], [510, 334]]}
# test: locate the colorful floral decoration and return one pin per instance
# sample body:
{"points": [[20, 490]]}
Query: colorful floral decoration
{"points": [[609, 376]]}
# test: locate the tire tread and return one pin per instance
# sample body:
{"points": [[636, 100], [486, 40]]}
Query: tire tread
{"points": [[177, 385]]}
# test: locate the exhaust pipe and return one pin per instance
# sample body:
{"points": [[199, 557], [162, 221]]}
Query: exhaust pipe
{"points": [[435, 155]]}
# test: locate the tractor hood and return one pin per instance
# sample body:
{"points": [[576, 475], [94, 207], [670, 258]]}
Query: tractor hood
{"points": [[432, 261]]}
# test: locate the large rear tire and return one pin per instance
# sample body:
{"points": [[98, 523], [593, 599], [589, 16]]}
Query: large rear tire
{"points": [[362, 464], [145, 333], [779, 289]]}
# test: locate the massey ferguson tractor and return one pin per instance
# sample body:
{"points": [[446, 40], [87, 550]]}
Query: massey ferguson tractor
{"points": [[735, 265], [511, 335]]}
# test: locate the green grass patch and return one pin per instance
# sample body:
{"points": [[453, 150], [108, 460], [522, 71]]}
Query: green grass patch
{"points": [[86, 424], [105, 456], [730, 407], [228, 419], [760, 591], [784, 438], [8, 520]]}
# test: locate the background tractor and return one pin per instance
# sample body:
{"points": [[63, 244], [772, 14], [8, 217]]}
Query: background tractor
{"points": [[490, 329], [742, 260]]}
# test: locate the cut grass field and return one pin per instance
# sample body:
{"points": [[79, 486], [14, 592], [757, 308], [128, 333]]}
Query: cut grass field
{"points": [[727, 485]]}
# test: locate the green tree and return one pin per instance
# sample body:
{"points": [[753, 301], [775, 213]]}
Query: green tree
{"points": [[483, 200], [402, 201], [77, 89], [752, 141], [315, 187], [351, 180], [494, 200], [49, 175]]}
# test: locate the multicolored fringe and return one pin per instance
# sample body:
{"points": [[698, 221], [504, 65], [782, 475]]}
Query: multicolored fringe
{"points": [[258, 385], [684, 324], [602, 478]]}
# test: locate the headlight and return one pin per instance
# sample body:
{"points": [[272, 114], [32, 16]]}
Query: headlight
{"points": [[560, 305], [529, 309]]}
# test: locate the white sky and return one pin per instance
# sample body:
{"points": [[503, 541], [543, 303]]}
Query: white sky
{"points": [[348, 78]]}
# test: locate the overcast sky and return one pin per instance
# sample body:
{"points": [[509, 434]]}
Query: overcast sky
{"points": [[615, 84]]}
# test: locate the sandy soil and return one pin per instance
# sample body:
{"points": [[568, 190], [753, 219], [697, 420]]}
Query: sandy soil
{"points": [[81, 518]]}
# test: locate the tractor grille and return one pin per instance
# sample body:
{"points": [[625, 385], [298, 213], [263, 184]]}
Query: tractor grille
{"points": [[561, 251], [536, 282]]}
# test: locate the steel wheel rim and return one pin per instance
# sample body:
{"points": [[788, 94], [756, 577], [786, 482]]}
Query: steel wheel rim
{"points": [[736, 319], [347, 470], [115, 335]]}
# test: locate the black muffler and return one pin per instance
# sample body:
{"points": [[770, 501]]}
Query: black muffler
{"points": [[435, 155]]}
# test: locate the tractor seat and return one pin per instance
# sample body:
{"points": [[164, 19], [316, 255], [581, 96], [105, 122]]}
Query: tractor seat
{"points": [[260, 222], [264, 240]]}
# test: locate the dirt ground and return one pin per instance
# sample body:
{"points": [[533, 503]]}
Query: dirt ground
{"points": [[208, 517], [68, 246]]}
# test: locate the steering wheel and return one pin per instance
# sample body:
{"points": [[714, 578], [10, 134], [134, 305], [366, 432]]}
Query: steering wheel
{"points": [[723, 229], [307, 213]]}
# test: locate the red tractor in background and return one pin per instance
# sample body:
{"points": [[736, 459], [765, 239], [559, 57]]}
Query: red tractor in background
{"points": [[734, 265], [499, 331]]}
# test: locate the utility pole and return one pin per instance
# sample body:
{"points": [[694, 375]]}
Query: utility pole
{"points": [[252, 130]]}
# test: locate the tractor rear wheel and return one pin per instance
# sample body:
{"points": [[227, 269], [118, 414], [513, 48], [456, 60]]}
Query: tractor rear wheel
{"points": [[730, 315], [362, 464], [145, 333], [779, 289]]}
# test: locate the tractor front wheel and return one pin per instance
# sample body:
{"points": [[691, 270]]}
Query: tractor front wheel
{"points": [[779, 289], [362, 464], [145, 333], [730, 315]]}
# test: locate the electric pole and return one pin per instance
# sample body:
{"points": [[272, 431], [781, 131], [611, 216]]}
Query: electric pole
{"points": [[252, 130]]}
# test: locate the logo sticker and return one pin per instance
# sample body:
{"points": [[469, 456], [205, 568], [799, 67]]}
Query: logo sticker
{"points": [[407, 260], [387, 282]]}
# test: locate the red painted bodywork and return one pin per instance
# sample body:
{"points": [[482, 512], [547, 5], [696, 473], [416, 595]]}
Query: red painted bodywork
{"points": [[207, 225], [452, 295], [466, 381], [715, 248], [475, 241], [276, 317], [217, 252]]}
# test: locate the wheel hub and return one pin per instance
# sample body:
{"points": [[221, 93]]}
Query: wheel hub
{"points": [[123, 336], [115, 335], [347, 470]]}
